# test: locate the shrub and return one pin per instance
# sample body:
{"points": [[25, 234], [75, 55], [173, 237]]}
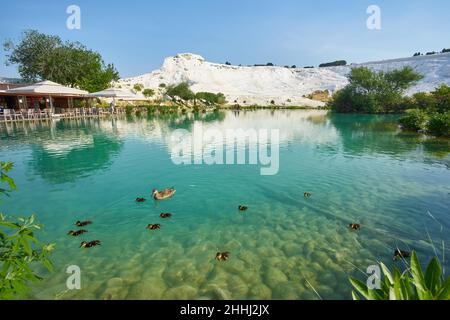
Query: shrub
{"points": [[210, 98], [148, 93], [138, 87], [162, 85], [445, 50], [181, 91], [442, 97], [412, 284], [423, 101], [333, 64], [415, 120], [439, 125]]}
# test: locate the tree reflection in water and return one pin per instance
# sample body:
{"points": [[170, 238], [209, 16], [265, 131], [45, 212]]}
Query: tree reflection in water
{"points": [[370, 134]]}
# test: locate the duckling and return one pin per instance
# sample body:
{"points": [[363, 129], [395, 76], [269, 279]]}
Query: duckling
{"points": [[222, 256], [307, 194], [400, 254], [354, 226], [154, 227], [243, 208], [82, 223], [91, 244], [76, 233], [165, 215], [140, 200]]}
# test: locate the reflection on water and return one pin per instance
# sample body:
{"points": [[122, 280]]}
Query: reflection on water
{"points": [[369, 134], [359, 169]]}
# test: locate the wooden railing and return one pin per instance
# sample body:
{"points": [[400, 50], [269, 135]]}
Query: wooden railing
{"points": [[46, 114]]}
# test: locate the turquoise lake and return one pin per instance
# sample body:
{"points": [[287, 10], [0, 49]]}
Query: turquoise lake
{"points": [[359, 169]]}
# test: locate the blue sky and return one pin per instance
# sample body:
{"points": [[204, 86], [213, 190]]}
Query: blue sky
{"points": [[137, 35]]}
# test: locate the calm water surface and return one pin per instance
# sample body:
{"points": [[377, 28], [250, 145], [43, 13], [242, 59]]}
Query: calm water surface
{"points": [[358, 168]]}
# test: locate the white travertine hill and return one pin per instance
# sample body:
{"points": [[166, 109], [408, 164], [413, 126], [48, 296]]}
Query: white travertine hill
{"points": [[261, 85]]}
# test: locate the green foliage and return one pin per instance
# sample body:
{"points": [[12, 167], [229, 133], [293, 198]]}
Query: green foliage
{"points": [[422, 101], [180, 93], [44, 57], [439, 125], [162, 85], [138, 87], [129, 110], [401, 79], [412, 284], [333, 64], [442, 98], [374, 92], [415, 119], [445, 50], [5, 167], [430, 112], [148, 93], [210, 98], [20, 250]]}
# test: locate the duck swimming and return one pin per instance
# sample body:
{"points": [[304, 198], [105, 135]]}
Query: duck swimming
{"points": [[154, 227], [91, 244], [400, 254], [165, 215], [76, 233], [222, 256], [243, 208], [82, 223], [140, 200], [307, 194], [354, 226], [164, 194]]}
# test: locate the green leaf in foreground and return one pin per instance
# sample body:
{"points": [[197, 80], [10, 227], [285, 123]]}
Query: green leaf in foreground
{"points": [[410, 285]]}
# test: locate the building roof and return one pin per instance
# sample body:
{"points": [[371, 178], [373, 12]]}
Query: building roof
{"points": [[7, 85], [48, 88]]}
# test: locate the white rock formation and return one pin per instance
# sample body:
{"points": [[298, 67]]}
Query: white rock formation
{"points": [[261, 85]]}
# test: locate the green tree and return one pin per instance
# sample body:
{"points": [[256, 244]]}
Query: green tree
{"points": [[44, 57], [20, 250], [181, 93], [374, 92]]}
